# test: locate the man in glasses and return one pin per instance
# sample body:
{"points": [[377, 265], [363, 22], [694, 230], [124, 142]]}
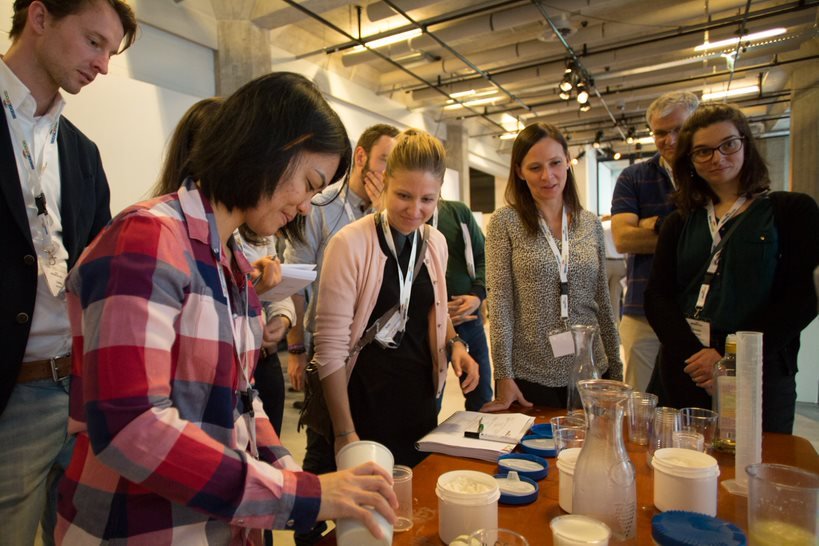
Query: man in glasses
{"points": [[640, 202]]}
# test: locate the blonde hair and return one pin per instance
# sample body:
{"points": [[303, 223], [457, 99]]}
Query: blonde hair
{"points": [[417, 150]]}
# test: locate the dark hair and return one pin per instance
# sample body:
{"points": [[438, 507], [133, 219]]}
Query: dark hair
{"points": [[372, 134], [692, 190], [517, 191], [259, 134], [61, 8], [177, 156]]}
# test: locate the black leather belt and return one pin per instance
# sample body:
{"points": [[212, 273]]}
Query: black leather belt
{"points": [[55, 369]]}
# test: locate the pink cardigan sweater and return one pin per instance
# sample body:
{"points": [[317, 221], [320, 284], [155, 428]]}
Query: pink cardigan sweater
{"points": [[351, 278]]}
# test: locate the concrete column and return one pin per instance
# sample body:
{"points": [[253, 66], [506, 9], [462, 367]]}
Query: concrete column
{"points": [[805, 123], [776, 152], [243, 48], [457, 155]]}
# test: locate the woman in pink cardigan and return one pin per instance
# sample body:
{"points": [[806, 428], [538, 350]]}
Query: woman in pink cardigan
{"points": [[386, 390]]}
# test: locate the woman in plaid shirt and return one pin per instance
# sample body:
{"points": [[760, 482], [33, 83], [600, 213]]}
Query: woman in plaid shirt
{"points": [[172, 445]]}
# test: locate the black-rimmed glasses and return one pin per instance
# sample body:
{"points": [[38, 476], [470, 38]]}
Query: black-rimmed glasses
{"points": [[729, 147]]}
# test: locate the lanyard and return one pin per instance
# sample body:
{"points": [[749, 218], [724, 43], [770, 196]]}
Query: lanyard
{"points": [[241, 345], [469, 254], [36, 166], [717, 243], [562, 258], [347, 208], [404, 281]]}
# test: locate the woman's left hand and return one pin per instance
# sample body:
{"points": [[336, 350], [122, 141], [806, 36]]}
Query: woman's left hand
{"points": [[268, 271], [462, 364], [463, 308], [700, 366]]}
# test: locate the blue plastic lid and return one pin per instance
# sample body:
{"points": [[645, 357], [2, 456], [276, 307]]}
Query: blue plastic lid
{"points": [[538, 445], [542, 429], [528, 466], [516, 489], [679, 528]]}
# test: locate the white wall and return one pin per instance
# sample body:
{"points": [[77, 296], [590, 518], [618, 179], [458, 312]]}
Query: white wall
{"points": [[807, 380]]}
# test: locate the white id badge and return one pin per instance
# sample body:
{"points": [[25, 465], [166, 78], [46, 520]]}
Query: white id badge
{"points": [[387, 332], [55, 276], [562, 343], [701, 329]]}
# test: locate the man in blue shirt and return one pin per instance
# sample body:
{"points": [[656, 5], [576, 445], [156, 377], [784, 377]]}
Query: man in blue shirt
{"points": [[640, 202]]}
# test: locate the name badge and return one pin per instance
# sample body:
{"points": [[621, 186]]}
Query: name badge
{"points": [[55, 275], [701, 329], [386, 336], [562, 343]]}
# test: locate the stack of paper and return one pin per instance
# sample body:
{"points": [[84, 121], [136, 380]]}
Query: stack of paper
{"points": [[475, 435], [294, 278]]}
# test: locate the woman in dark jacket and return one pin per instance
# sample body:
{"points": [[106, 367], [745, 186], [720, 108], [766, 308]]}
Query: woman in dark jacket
{"points": [[733, 257]]}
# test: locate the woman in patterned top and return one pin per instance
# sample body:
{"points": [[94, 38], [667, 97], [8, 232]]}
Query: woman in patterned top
{"points": [[528, 267]]}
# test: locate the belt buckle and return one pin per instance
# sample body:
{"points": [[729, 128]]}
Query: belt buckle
{"points": [[55, 372]]}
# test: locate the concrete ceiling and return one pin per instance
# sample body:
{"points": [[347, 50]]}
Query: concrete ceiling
{"points": [[508, 56]]}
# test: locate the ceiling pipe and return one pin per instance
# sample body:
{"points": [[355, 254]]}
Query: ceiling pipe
{"points": [[344, 33], [271, 14], [378, 11], [464, 30], [461, 57], [599, 63], [535, 49]]}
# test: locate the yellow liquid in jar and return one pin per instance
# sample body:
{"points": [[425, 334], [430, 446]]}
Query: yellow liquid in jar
{"points": [[778, 533]]}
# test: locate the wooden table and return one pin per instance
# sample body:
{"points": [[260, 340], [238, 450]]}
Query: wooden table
{"points": [[532, 520]]}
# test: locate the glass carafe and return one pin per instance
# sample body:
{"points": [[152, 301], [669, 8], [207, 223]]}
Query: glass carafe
{"points": [[604, 484], [583, 367]]}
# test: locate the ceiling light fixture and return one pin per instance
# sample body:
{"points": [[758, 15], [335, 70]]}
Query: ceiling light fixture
{"points": [[585, 107], [564, 95], [630, 135], [747, 38], [597, 138], [381, 42], [582, 93], [617, 155], [730, 93]]}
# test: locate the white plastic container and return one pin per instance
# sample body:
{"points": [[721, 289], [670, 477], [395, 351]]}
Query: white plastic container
{"points": [[467, 501], [352, 532], [573, 530], [685, 480], [566, 460]]}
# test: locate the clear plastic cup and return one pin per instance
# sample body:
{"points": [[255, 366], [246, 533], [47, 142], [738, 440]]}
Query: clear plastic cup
{"points": [[703, 421], [640, 411], [402, 485], [688, 439], [567, 437], [783, 505], [574, 421], [493, 537], [661, 434]]}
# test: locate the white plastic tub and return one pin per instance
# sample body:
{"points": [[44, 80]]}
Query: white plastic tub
{"points": [[685, 479], [566, 461], [467, 501]]}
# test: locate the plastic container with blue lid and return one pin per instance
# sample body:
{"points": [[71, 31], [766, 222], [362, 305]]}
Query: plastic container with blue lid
{"points": [[538, 445], [542, 429], [679, 528], [516, 489], [529, 466]]}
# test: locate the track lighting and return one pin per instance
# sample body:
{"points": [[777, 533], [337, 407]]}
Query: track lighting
{"points": [[630, 135], [564, 95], [617, 155], [585, 107], [597, 138], [582, 93]]}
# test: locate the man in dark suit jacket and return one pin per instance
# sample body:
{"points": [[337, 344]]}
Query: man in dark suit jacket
{"points": [[54, 198]]}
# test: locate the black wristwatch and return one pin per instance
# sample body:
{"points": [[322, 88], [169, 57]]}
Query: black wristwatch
{"points": [[452, 341]]}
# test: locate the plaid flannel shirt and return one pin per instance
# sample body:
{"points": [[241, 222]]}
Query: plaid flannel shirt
{"points": [[163, 448]]}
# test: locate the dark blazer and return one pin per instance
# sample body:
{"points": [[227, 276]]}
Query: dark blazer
{"points": [[85, 211]]}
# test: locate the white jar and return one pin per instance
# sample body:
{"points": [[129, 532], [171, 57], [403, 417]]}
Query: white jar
{"points": [[566, 460], [685, 479], [467, 501]]}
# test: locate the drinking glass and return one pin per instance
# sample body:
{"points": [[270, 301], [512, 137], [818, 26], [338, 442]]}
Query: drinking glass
{"points": [[661, 434], [703, 421], [640, 411]]}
